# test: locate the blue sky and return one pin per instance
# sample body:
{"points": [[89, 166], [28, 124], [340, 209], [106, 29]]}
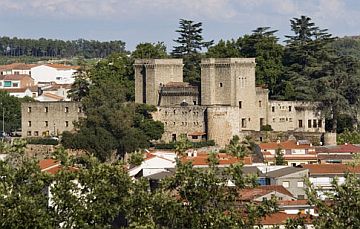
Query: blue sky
{"points": [[135, 21]]}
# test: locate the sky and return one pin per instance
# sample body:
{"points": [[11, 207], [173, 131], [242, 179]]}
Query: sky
{"points": [[136, 21]]}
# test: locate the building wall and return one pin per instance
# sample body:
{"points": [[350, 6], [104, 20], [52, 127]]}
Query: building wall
{"points": [[231, 102], [49, 118], [45, 73], [293, 180], [294, 115], [151, 74], [181, 120]]}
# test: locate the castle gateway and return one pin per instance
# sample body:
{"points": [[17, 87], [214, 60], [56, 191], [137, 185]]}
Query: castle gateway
{"points": [[227, 104]]}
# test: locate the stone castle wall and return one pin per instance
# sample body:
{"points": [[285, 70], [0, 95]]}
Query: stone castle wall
{"points": [[150, 75], [181, 120], [49, 118], [229, 103]]}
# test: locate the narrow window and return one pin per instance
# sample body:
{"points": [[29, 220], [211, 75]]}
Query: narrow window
{"points": [[28, 133], [289, 108], [309, 123], [273, 109], [300, 124], [66, 123], [240, 104], [243, 123], [260, 103], [314, 123], [221, 85], [29, 109], [261, 122], [194, 102], [46, 109], [79, 109], [29, 123], [36, 133], [46, 123], [66, 109]]}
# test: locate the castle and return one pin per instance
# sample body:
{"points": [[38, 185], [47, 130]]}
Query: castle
{"points": [[228, 102]]}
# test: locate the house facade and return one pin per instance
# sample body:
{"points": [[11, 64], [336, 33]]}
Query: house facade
{"points": [[294, 152], [58, 73]]}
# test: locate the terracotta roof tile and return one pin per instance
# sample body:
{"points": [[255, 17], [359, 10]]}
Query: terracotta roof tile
{"points": [[280, 218], [53, 96], [14, 77], [346, 148], [331, 168], [224, 159], [252, 193], [62, 66], [17, 66], [290, 144], [21, 90]]}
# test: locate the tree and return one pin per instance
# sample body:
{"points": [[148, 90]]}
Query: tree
{"points": [[225, 49], [149, 51], [341, 211], [80, 87], [262, 44], [279, 157], [305, 55], [338, 89], [10, 106], [190, 43]]}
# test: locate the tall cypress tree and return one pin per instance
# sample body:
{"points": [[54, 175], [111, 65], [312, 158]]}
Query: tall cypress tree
{"points": [[190, 43]]}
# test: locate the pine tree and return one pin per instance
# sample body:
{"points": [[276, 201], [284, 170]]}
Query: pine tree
{"points": [[190, 43], [305, 55]]}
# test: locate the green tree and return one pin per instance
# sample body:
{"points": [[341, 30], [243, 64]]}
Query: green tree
{"points": [[342, 209], [225, 49], [80, 87], [279, 157], [305, 55], [190, 43], [338, 89], [149, 51], [263, 45], [10, 107]]}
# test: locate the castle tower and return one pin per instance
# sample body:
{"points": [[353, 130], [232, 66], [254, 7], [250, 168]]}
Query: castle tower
{"points": [[150, 75], [228, 81]]}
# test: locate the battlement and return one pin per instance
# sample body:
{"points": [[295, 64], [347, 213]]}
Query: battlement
{"points": [[228, 61], [158, 62]]}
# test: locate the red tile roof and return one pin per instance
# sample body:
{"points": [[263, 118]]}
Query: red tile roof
{"points": [[331, 168], [290, 144], [17, 66], [14, 77], [252, 193], [52, 166], [53, 96], [280, 218], [224, 159], [346, 148], [56, 87], [62, 66], [292, 202], [21, 90]]}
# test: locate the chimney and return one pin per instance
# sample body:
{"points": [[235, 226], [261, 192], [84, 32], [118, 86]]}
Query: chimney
{"points": [[278, 141], [297, 143], [195, 153]]}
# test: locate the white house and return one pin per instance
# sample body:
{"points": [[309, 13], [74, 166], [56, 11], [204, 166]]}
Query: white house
{"points": [[23, 92], [155, 164], [59, 73]]}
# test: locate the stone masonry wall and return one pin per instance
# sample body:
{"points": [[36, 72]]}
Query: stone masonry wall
{"points": [[180, 120], [49, 118]]}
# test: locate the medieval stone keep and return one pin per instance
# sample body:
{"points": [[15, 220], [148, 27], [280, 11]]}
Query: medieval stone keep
{"points": [[227, 104]]}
